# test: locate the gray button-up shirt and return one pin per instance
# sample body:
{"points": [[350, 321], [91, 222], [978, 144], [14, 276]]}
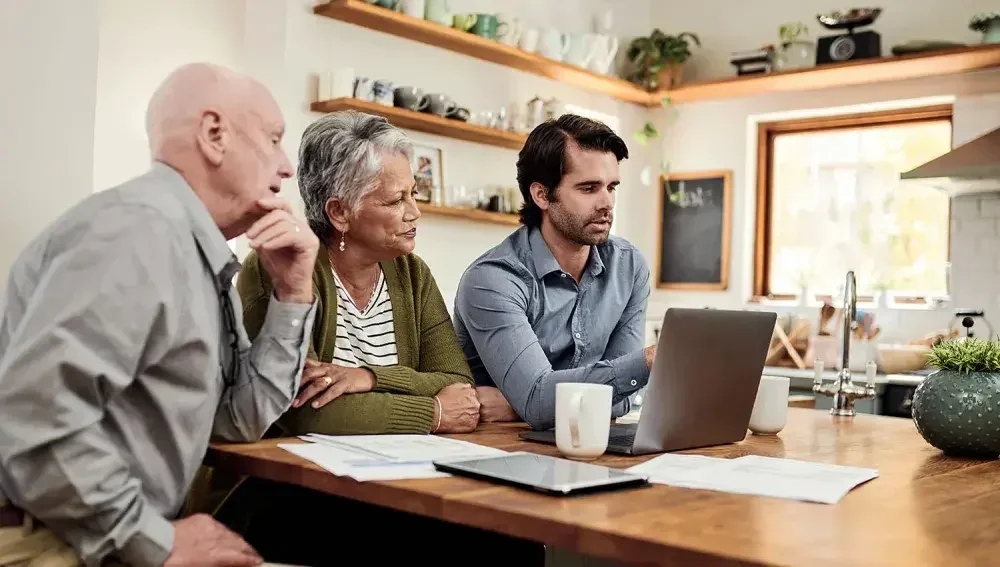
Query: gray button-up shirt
{"points": [[525, 325], [117, 364]]}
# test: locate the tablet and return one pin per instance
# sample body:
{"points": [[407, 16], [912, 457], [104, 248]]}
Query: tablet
{"points": [[551, 475]]}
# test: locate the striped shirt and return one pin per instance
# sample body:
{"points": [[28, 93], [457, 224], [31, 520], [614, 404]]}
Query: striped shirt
{"points": [[365, 337]]}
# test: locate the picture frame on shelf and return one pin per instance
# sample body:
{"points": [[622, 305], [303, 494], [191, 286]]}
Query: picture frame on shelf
{"points": [[428, 170]]}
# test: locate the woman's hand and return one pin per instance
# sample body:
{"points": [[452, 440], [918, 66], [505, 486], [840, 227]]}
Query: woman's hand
{"points": [[330, 381], [458, 411]]}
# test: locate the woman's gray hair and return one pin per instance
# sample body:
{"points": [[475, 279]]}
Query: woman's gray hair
{"points": [[341, 157]]}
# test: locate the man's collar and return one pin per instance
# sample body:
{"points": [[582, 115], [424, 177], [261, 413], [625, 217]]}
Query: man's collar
{"points": [[210, 239], [545, 262]]}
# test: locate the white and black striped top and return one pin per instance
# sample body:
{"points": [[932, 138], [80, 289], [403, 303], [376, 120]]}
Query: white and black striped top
{"points": [[365, 337]]}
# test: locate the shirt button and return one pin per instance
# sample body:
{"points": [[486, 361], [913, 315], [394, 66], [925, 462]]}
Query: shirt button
{"points": [[564, 274], [578, 335], [633, 382], [295, 322]]}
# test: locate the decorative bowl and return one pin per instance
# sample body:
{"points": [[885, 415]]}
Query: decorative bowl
{"points": [[849, 19]]}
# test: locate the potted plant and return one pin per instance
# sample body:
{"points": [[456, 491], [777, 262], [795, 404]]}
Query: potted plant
{"points": [[659, 58], [957, 408], [987, 24]]}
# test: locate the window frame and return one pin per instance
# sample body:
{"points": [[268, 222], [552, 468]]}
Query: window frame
{"points": [[766, 134]]}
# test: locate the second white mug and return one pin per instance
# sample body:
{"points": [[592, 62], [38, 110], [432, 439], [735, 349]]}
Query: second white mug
{"points": [[583, 419], [770, 409]]}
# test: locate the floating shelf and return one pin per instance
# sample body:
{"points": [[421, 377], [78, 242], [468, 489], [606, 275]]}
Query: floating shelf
{"points": [[374, 17], [430, 123], [830, 75], [469, 214]]}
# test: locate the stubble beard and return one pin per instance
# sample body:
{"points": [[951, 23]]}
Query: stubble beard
{"points": [[574, 227]]}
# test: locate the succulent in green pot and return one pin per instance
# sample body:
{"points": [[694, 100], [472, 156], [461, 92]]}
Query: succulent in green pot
{"points": [[957, 408]]}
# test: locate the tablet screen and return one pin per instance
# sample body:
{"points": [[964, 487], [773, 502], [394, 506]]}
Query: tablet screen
{"points": [[542, 471]]}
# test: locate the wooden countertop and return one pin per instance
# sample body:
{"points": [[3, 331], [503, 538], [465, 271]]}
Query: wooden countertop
{"points": [[924, 509]]}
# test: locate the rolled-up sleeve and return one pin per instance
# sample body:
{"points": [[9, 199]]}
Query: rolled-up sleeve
{"points": [[80, 340], [493, 303], [269, 371]]}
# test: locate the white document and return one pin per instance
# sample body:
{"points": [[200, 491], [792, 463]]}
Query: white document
{"points": [[385, 457], [405, 448], [338, 463], [675, 469], [759, 476]]}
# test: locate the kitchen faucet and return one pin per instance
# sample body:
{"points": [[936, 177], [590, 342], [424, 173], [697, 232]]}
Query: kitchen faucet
{"points": [[843, 389]]}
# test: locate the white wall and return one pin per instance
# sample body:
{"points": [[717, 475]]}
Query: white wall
{"points": [[141, 41], [722, 134], [48, 61]]}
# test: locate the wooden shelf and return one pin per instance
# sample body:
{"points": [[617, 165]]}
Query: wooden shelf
{"points": [[430, 123], [863, 71], [381, 19], [477, 215]]}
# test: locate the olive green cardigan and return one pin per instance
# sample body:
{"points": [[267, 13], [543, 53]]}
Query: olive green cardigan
{"points": [[430, 357]]}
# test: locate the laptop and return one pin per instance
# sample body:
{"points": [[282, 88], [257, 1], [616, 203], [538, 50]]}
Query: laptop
{"points": [[702, 385]]}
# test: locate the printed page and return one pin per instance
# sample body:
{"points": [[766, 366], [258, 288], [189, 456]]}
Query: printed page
{"points": [[337, 461], [786, 478], [405, 448], [676, 470]]}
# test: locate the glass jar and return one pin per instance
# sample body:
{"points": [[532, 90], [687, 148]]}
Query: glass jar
{"points": [[796, 54]]}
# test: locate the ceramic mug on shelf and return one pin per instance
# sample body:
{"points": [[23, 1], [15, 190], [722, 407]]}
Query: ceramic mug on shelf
{"points": [[364, 89], [413, 8]]}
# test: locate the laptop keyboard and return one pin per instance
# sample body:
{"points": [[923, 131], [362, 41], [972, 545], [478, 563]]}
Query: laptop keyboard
{"points": [[622, 434]]}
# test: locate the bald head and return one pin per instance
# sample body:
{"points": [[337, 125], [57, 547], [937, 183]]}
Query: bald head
{"points": [[222, 131], [183, 98]]}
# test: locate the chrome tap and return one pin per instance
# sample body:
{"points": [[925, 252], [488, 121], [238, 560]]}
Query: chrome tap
{"points": [[843, 389]]}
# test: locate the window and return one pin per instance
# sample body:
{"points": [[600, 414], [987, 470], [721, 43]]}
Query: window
{"points": [[829, 200]]}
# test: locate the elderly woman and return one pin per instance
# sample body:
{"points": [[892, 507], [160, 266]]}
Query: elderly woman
{"points": [[384, 356]]}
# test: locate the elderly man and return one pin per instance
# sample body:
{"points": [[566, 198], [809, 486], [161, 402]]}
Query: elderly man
{"points": [[122, 349]]}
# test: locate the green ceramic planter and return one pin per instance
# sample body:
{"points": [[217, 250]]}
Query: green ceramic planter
{"points": [[959, 413]]}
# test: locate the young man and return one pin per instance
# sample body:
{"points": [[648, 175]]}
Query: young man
{"points": [[122, 349], [560, 300]]}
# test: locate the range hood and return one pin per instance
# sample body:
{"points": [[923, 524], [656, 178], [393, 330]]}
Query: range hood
{"points": [[973, 167]]}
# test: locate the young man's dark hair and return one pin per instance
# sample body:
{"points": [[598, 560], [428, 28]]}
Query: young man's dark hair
{"points": [[543, 157]]}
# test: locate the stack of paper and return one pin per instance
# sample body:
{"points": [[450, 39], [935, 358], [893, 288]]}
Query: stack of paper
{"points": [[755, 475], [385, 457]]}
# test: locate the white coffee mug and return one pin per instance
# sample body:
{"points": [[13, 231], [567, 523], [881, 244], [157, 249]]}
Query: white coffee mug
{"points": [[770, 409], [583, 419], [413, 8]]}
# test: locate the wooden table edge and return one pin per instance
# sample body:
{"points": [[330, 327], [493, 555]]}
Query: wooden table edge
{"points": [[397, 495]]}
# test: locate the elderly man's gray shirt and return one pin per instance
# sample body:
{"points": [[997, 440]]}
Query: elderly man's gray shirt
{"points": [[118, 363], [526, 325]]}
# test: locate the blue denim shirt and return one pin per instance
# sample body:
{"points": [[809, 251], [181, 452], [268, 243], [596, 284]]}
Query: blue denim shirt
{"points": [[526, 325]]}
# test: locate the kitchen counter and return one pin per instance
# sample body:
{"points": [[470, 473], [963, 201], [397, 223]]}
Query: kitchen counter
{"points": [[802, 378]]}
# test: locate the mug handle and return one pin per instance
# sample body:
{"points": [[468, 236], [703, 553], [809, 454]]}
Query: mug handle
{"points": [[576, 408], [423, 103], [452, 106]]}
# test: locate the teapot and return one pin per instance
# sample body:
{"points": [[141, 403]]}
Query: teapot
{"points": [[607, 48], [554, 44]]}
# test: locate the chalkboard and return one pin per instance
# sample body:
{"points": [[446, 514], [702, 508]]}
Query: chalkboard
{"points": [[693, 244]]}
